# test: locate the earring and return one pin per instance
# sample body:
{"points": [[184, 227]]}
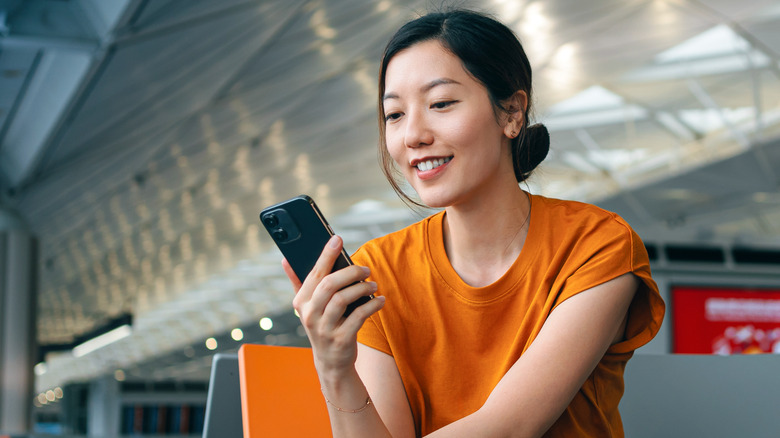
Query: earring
{"points": [[513, 134]]}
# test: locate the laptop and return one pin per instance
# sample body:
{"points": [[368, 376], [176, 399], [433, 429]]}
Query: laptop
{"points": [[223, 406], [280, 393]]}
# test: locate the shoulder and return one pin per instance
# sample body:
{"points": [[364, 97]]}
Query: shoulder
{"points": [[577, 212], [580, 233]]}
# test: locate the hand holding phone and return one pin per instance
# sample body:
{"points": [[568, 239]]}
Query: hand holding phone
{"points": [[301, 232]]}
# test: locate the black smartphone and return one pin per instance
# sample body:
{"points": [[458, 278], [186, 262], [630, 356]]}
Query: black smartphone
{"points": [[301, 232]]}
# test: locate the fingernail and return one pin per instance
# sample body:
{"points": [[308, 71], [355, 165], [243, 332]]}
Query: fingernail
{"points": [[366, 270], [372, 286], [334, 242]]}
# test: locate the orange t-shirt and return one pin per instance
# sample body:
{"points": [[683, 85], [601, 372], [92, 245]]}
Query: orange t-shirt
{"points": [[452, 342]]}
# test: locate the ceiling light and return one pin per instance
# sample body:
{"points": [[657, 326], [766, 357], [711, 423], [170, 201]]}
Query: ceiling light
{"points": [[114, 330], [40, 368], [211, 344], [267, 323], [237, 334]]}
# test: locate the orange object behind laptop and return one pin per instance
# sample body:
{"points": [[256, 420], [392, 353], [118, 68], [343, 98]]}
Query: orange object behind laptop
{"points": [[280, 393]]}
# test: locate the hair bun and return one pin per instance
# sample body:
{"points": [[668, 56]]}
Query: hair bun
{"points": [[532, 151]]}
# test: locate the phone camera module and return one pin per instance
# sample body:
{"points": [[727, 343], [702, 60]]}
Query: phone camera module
{"points": [[280, 234], [271, 221]]}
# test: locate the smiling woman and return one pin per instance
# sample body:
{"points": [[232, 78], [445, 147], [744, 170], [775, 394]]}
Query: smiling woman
{"points": [[505, 314]]}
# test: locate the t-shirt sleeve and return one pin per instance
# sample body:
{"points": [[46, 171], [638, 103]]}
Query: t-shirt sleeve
{"points": [[646, 312], [608, 252], [372, 333]]}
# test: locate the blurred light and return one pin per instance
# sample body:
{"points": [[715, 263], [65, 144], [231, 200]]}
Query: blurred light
{"points": [[295, 311], [58, 392], [276, 140], [535, 20], [509, 10], [40, 368], [211, 344], [267, 323], [266, 191], [319, 24], [765, 197], [50, 396], [237, 334], [101, 341], [302, 173], [119, 375], [236, 217], [326, 49], [42, 399]]}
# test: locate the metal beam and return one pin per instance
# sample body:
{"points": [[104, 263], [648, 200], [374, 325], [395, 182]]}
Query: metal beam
{"points": [[705, 99], [31, 42]]}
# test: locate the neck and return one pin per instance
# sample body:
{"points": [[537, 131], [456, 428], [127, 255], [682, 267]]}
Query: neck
{"points": [[484, 239]]}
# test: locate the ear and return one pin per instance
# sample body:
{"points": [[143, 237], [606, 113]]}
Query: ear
{"points": [[515, 105]]}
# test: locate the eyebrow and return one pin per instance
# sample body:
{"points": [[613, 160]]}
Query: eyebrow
{"points": [[425, 88]]}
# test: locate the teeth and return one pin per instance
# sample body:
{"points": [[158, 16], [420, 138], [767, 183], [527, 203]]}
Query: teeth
{"points": [[432, 164]]}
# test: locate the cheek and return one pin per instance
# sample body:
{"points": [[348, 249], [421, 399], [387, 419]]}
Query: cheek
{"points": [[394, 147]]}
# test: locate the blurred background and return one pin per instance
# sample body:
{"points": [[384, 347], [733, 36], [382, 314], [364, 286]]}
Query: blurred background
{"points": [[139, 140]]}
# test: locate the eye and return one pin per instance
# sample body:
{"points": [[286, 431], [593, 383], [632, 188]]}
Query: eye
{"points": [[443, 104], [392, 116]]}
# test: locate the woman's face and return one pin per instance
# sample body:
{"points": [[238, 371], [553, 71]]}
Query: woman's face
{"points": [[441, 128]]}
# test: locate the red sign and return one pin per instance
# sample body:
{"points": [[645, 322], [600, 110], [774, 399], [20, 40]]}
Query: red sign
{"points": [[725, 321]]}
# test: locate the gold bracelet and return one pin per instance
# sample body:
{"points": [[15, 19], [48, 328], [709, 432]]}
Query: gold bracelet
{"points": [[351, 411]]}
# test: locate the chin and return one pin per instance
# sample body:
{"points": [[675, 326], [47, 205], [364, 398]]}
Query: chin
{"points": [[435, 200]]}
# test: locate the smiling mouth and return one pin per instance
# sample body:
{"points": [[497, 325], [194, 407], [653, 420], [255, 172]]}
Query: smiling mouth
{"points": [[432, 164]]}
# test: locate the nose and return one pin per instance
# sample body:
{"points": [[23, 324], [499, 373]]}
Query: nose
{"points": [[417, 132]]}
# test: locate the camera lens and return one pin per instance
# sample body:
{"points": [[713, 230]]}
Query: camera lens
{"points": [[280, 234], [270, 221]]}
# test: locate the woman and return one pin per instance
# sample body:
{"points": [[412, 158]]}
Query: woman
{"points": [[506, 314]]}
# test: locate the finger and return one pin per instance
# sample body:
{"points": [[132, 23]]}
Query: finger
{"points": [[291, 275], [333, 284], [334, 311], [321, 268], [358, 317], [324, 264]]}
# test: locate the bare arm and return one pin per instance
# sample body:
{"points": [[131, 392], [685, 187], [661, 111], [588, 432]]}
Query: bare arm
{"points": [[321, 301], [381, 375], [540, 385]]}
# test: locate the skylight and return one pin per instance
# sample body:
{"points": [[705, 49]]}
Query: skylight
{"points": [[718, 41], [592, 107], [595, 97], [718, 50]]}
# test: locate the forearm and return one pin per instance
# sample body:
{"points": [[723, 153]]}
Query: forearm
{"points": [[350, 415], [476, 424]]}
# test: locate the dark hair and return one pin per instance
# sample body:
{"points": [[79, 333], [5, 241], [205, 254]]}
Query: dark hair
{"points": [[492, 54]]}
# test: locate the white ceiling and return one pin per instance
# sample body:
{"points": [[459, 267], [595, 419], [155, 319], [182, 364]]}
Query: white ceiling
{"points": [[139, 139]]}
